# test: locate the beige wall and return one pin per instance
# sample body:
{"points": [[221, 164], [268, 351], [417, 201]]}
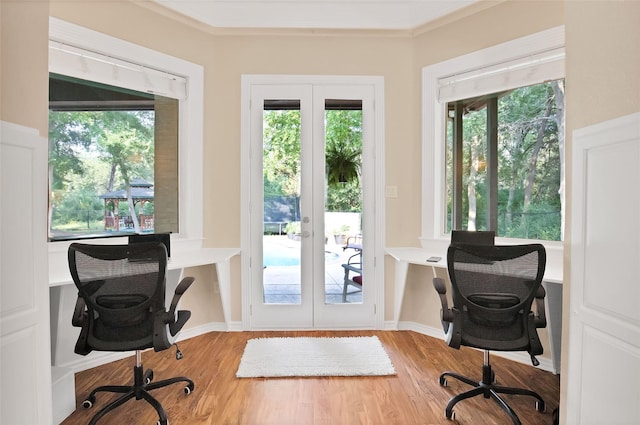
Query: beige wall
{"points": [[504, 22], [602, 69], [226, 57], [301, 54], [603, 64], [397, 57], [488, 27], [603, 61], [205, 287], [24, 79]]}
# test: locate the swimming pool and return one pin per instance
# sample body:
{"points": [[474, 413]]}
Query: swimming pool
{"points": [[280, 254]]}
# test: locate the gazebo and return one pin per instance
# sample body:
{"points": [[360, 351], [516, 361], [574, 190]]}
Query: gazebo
{"points": [[141, 192]]}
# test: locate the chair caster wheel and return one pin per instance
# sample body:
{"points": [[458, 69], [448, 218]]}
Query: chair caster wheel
{"points": [[88, 403], [148, 376], [540, 407], [188, 389]]}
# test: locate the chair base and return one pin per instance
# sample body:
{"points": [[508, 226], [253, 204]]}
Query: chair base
{"points": [[488, 389], [139, 390]]}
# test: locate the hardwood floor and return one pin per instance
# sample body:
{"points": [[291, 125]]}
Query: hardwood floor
{"points": [[412, 397]]}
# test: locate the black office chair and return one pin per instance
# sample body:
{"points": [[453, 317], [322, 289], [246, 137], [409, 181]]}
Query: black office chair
{"points": [[494, 288], [121, 307]]}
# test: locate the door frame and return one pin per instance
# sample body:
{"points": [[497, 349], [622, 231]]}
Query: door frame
{"points": [[376, 180]]}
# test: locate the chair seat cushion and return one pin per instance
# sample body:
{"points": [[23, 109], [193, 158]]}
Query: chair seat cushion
{"points": [[358, 279]]}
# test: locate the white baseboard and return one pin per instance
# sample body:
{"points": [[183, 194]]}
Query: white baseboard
{"points": [[202, 329], [420, 328], [235, 327], [95, 359], [516, 356], [100, 358]]}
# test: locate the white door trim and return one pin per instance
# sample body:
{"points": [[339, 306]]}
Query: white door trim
{"points": [[378, 215]]}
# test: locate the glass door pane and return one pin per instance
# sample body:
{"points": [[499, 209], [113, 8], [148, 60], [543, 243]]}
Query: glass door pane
{"points": [[282, 233], [343, 201]]}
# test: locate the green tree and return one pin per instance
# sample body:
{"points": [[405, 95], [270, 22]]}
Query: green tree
{"points": [[281, 144], [91, 151], [530, 151], [81, 205], [281, 156], [69, 134], [129, 149]]}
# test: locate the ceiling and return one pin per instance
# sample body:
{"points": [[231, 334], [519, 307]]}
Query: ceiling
{"points": [[317, 14]]}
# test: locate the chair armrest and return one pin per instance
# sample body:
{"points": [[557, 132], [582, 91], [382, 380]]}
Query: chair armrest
{"points": [[167, 324], [537, 320], [79, 313], [80, 319], [353, 267], [445, 314], [453, 333], [540, 316], [181, 289]]}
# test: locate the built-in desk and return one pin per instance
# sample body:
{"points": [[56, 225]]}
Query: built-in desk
{"points": [[63, 294], [552, 283]]}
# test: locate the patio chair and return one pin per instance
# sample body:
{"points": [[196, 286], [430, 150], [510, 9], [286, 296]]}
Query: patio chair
{"points": [[353, 266]]}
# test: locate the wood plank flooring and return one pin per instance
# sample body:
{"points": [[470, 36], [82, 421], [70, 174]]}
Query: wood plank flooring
{"points": [[412, 397]]}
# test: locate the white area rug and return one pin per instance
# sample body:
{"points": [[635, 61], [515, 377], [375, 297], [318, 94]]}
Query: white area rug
{"points": [[350, 356]]}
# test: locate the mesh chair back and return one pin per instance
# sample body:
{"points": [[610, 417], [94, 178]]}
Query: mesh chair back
{"points": [[123, 287], [493, 290]]}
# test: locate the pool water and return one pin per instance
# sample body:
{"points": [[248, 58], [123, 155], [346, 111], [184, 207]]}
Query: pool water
{"points": [[280, 255]]}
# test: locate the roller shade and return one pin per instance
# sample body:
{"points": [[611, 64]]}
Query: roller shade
{"points": [[87, 65], [532, 69]]}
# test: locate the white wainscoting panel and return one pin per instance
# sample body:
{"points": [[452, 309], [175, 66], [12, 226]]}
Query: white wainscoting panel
{"points": [[25, 374], [604, 329]]}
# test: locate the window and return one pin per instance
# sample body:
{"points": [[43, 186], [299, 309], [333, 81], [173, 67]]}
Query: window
{"points": [[493, 144], [170, 87], [503, 162], [112, 159]]}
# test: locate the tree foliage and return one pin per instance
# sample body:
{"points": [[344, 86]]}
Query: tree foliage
{"points": [[93, 152], [530, 148], [281, 156]]}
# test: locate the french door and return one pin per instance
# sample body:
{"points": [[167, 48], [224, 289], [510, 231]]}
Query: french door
{"points": [[312, 197]]}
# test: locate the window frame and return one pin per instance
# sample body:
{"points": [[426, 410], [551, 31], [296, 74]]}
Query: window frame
{"points": [[190, 131], [434, 120]]}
